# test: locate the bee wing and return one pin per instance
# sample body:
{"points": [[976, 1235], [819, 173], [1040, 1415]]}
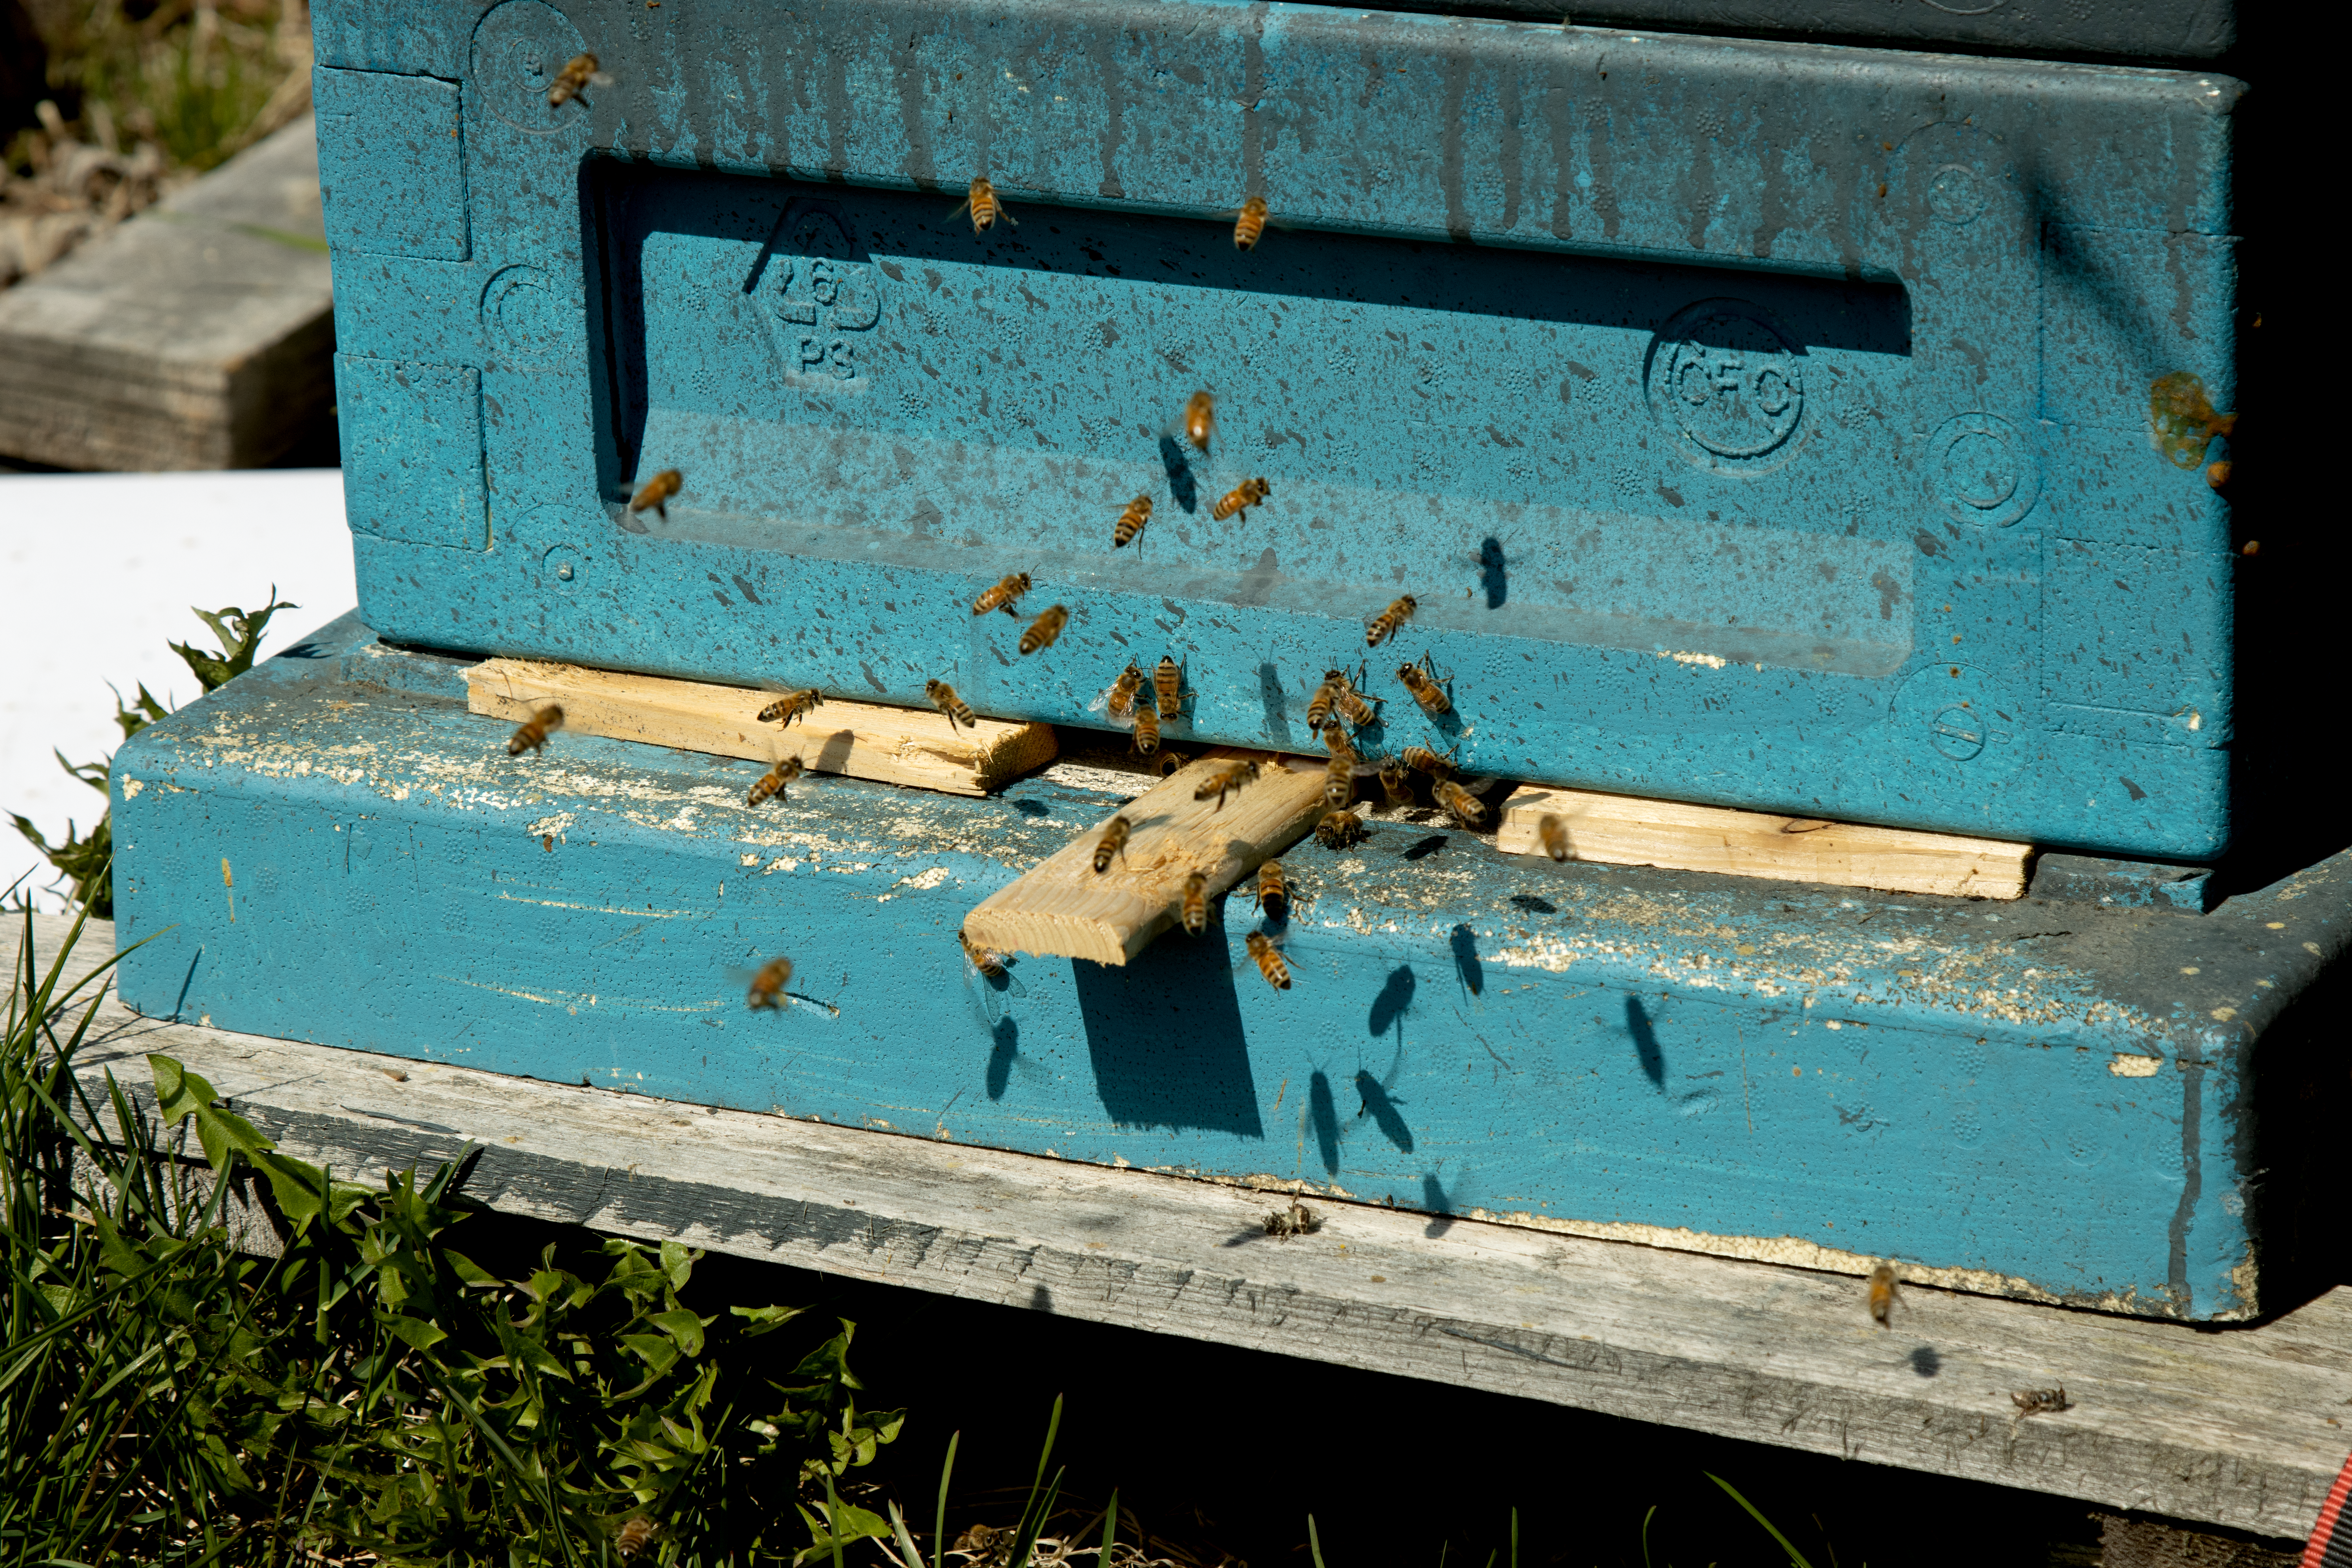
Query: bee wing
{"points": [[993, 995], [961, 208], [600, 78]]}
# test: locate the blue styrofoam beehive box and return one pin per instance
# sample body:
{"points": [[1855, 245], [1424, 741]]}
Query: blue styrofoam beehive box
{"points": [[1756, 423]]}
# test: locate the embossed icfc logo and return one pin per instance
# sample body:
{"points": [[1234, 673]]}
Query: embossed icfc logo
{"points": [[1728, 384], [817, 293]]}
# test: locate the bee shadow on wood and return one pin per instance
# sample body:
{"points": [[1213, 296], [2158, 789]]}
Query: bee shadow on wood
{"points": [[1433, 1198], [832, 757], [1925, 1362], [1645, 1041], [1182, 486], [1164, 1033]]}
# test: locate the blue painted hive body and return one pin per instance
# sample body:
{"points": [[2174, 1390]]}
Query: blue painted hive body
{"points": [[1810, 428]]}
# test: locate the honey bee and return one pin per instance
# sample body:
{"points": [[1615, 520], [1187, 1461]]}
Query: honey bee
{"points": [[1422, 759], [791, 705], [533, 735], [1229, 777], [1241, 497], [980, 201], [1123, 689], [989, 964], [1552, 829], [943, 698], [1272, 890], [1319, 709], [1196, 902], [1339, 829], [1113, 843], [1200, 419], [1147, 729], [1352, 706], [634, 1536], [768, 985], [1394, 785], [1295, 1220], [2035, 1401], [577, 73], [1249, 224], [1340, 777], [773, 781], [1420, 681], [656, 492], [1263, 951], [1167, 685], [1389, 621], [1881, 1295], [1003, 596], [1130, 523], [1044, 629], [1461, 802]]}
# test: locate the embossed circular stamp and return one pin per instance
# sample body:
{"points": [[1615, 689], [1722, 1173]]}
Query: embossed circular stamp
{"points": [[521, 313], [1729, 383], [1956, 194], [1958, 713], [519, 49], [1983, 470]]}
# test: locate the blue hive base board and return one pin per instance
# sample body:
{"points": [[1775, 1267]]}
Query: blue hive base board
{"points": [[2039, 1099]]}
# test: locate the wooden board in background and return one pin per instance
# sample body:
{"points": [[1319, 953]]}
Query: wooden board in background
{"points": [[863, 740], [1627, 830]]}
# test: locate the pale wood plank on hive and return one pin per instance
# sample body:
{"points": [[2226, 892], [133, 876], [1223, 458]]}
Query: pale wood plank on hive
{"points": [[2229, 1427], [863, 740], [1627, 830], [1062, 906]]}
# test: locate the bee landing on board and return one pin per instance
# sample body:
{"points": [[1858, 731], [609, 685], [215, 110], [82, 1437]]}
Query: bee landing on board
{"points": [[1295, 1220], [772, 783], [1130, 523], [791, 705], [1194, 906], [1389, 622], [1044, 629], [579, 72], [1004, 595], [1167, 686], [1113, 843], [1438, 766], [1552, 832], [768, 985], [533, 735], [1339, 829], [1268, 959], [1229, 777], [982, 202], [1147, 729], [1881, 1295], [1272, 890], [1200, 419], [1239, 499], [656, 493], [1249, 224], [1121, 698], [1464, 805], [1427, 687], [943, 698]]}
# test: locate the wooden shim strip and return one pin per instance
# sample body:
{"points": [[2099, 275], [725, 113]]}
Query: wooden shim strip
{"points": [[863, 740], [1061, 907], [1626, 830], [2229, 1428]]}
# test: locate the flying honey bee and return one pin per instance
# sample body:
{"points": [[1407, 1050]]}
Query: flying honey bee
{"points": [[1200, 419], [1147, 729], [1389, 621], [1552, 829], [1268, 960], [1123, 689], [1461, 802], [943, 698], [1229, 777], [982, 202], [1881, 1295], [1167, 686], [1339, 829], [1196, 902], [988, 962], [1044, 629], [533, 735], [656, 492], [1340, 779], [1003, 596], [578, 72], [768, 985], [1112, 844], [1394, 785], [772, 782], [1241, 497], [1421, 681], [1423, 760], [1249, 224], [1130, 523], [634, 1537], [791, 705]]}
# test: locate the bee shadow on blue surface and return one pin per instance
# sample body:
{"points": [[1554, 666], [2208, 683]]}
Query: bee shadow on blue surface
{"points": [[1383, 1111], [1164, 1033], [1181, 487], [1440, 1207], [1645, 1041], [1490, 573], [1000, 1057], [1325, 1116], [1473, 974]]}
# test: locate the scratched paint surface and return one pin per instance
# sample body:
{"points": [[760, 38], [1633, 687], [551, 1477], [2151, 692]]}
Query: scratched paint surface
{"points": [[1758, 423], [2040, 1098]]}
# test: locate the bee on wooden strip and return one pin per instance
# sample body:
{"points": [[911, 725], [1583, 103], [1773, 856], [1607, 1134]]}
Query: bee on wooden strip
{"points": [[1228, 778], [1881, 1295], [1200, 419], [1241, 497], [1389, 622], [1044, 629], [1249, 224], [578, 72], [1426, 687], [1437, 765], [1167, 686], [1004, 595], [1147, 729], [1551, 829], [791, 705], [656, 493], [1130, 523], [2040, 1401], [1195, 907], [1272, 890], [1339, 829], [1123, 689], [772, 783], [943, 698], [1464, 806], [983, 203], [1113, 843], [634, 1537], [1170, 764], [768, 985], [1268, 959], [1396, 788], [533, 735], [1295, 1220]]}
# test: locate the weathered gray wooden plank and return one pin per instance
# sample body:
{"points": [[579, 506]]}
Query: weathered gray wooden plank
{"points": [[2232, 1427], [198, 335]]}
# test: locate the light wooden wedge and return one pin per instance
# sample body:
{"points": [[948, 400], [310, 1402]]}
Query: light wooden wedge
{"points": [[1062, 908], [1626, 830], [863, 740]]}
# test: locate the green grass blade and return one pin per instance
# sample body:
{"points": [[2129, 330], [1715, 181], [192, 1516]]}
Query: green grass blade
{"points": [[1796, 1558], [1110, 1529], [1314, 1542]]}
